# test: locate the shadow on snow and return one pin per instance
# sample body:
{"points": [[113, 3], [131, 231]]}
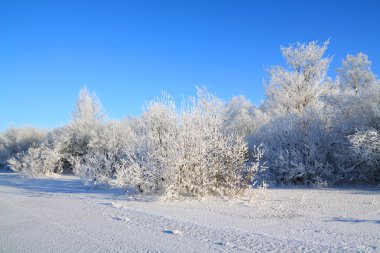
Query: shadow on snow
{"points": [[58, 185], [353, 220]]}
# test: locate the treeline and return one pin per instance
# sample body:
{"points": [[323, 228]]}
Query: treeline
{"points": [[311, 129]]}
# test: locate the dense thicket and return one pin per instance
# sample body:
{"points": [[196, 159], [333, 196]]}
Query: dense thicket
{"points": [[311, 129]]}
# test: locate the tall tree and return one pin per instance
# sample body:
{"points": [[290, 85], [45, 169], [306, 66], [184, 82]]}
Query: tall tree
{"points": [[304, 80], [356, 72], [88, 110]]}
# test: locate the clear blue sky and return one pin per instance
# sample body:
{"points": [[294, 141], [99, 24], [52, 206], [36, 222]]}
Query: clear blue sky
{"points": [[130, 51]]}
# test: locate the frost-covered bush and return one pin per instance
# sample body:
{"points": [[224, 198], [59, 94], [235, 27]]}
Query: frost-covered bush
{"points": [[18, 140], [366, 146], [153, 148], [210, 162], [348, 112], [37, 160], [186, 152], [107, 152], [313, 129], [165, 151], [135, 153], [296, 148], [159, 153], [60, 150]]}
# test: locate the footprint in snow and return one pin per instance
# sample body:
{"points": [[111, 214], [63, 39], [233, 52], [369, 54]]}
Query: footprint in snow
{"points": [[121, 218], [117, 205], [224, 244], [173, 232]]}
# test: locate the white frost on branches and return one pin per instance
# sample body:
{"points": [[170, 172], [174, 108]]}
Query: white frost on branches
{"points": [[313, 129], [292, 89]]}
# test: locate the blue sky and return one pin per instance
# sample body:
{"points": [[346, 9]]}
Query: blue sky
{"points": [[130, 51]]}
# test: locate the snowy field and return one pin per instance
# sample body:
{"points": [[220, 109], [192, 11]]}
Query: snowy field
{"points": [[59, 214]]}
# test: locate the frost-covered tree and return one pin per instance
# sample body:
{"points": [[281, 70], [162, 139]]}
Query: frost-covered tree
{"points": [[307, 138], [88, 110], [88, 117], [296, 136], [242, 117], [309, 135], [292, 89], [356, 73]]}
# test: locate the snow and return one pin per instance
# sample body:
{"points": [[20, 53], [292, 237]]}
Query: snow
{"points": [[59, 214]]}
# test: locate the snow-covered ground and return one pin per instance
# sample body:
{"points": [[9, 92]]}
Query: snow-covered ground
{"points": [[59, 214]]}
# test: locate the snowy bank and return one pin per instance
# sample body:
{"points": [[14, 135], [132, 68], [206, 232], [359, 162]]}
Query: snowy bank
{"points": [[59, 214]]}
